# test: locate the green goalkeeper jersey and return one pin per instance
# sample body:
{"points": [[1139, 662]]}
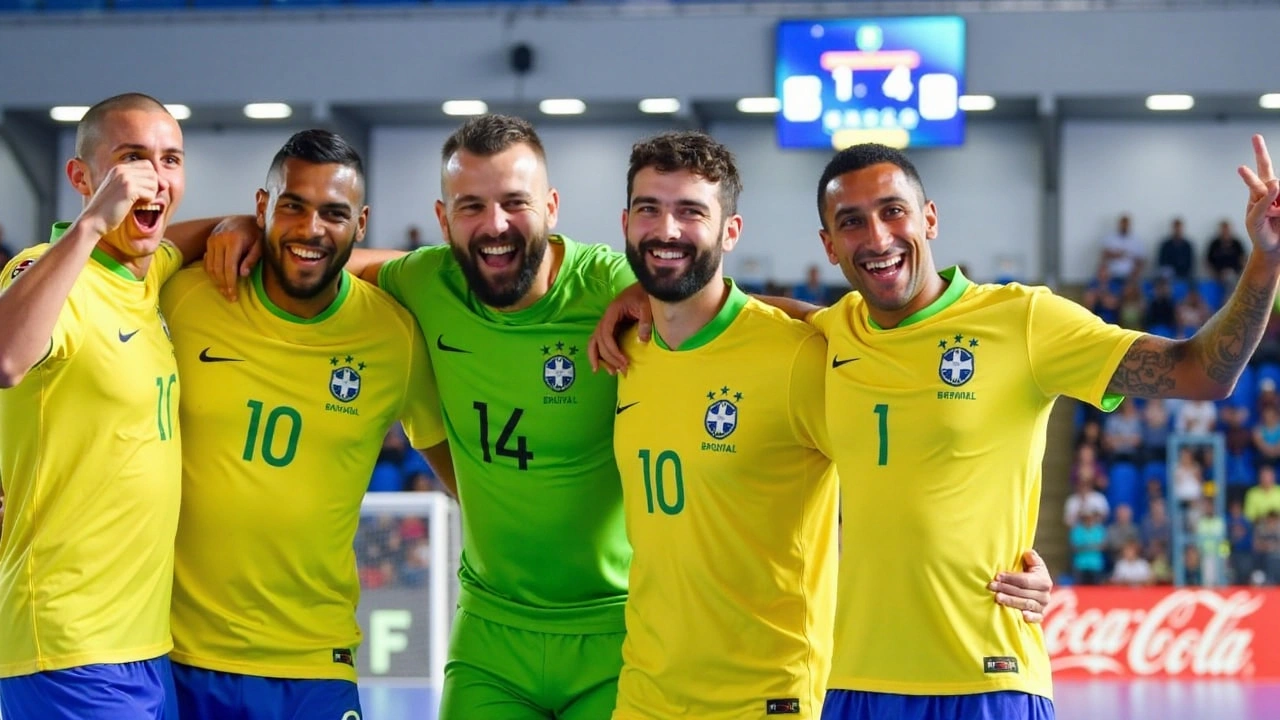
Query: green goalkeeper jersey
{"points": [[530, 427]]}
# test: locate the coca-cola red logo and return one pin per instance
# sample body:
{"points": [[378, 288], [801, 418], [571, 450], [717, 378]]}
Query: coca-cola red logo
{"points": [[1196, 632]]}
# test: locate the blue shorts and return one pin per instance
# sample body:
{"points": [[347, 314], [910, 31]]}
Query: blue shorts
{"points": [[212, 695], [1007, 705], [116, 691]]}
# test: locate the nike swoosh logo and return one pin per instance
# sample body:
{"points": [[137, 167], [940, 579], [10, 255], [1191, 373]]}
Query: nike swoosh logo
{"points": [[623, 408], [448, 348], [837, 362], [126, 337], [206, 357]]}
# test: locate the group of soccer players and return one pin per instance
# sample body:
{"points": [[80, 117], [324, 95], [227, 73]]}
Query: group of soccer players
{"points": [[713, 457]]}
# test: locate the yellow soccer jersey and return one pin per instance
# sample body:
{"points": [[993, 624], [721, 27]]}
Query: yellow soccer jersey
{"points": [[731, 508], [90, 464], [941, 423], [285, 420]]}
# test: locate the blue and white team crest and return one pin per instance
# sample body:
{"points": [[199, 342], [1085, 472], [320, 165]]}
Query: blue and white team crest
{"points": [[558, 369], [957, 364], [721, 418], [344, 382]]}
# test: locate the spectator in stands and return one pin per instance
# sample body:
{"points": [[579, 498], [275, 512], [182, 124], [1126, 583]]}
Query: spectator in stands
{"points": [[813, 290], [1132, 313], [1161, 569], [1156, 527], [1122, 531], [1266, 549], [1196, 417], [1101, 297], [1088, 541], [1240, 537], [1225, 255], [1176, 256], [1267, 395], [1087, 466], [397, 464], [1191, 313], [1122, 433], [1266, 436], [417, 553], [1211, 537], [1188, 478], [1131, 568], [1263, 499], [413, 238], [1155, 431], [1192, 563], [1123, 254], [1162, 314], [1085, 500], [1090, 434]]}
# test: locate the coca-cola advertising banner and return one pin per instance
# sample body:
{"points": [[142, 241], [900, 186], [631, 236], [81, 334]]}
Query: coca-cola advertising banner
{"points": [[1164, 632]]}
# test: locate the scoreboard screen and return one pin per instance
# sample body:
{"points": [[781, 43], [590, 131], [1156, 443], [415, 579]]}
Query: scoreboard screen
{"points": [[895, 81]]}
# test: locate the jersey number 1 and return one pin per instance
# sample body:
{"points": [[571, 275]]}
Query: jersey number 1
{"points": [[522, 453], [883, 411]]}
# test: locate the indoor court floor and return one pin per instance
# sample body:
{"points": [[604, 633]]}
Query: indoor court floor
{"points": [[1075, 700]]}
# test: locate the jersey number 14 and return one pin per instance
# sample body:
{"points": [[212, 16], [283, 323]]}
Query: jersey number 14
{"points": [[521, 453]]}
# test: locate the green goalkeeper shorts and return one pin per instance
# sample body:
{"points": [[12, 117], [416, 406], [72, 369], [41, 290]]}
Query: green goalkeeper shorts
{"points": [[500, 672]]}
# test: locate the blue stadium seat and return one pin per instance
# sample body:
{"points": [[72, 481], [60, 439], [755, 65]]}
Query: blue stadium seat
{"points": [[1211, 291], [72, 5], [1164, 331], [1268, 371], [1240, 469], [1180, 288], [19, 5], [222, 4], [1246, 392], [1126, 485], [148, 4]]}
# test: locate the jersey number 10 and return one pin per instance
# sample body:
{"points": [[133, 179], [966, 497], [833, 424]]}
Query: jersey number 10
{"points": [[274, 418]]}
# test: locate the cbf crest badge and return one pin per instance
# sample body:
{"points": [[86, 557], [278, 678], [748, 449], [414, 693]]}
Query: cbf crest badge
{"points": [[344, 380], [956, 366], [721, 418], [558, 369]]}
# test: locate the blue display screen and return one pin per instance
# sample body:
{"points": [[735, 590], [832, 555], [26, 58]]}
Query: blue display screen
{"points": [[895, 81]]}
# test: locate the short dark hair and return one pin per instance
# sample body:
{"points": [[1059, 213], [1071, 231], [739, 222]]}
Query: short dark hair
{"points": [[690, 150], [318, 147], [87, 131], [858, 157], [490, 134]]}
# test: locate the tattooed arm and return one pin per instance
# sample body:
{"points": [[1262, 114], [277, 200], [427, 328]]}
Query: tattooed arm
{"points": [[1207, 365]]}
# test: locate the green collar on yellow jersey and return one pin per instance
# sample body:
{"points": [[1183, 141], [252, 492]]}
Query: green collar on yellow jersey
{"points": [[957, 284], [728, 313], [344, 288], [98, 255]]}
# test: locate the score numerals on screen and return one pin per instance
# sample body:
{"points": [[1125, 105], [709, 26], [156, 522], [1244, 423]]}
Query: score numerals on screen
{"points": [[895, 81]]}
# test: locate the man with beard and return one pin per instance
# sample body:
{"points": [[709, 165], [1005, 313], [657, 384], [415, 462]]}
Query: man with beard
{"points": [[507, 310], [288, 396], [730, 496]]}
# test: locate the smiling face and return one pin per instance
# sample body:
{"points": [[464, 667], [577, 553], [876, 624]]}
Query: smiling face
{"points": [[312, 215], [876, 227], [129, 135], [496, 214], [676, 232]]}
